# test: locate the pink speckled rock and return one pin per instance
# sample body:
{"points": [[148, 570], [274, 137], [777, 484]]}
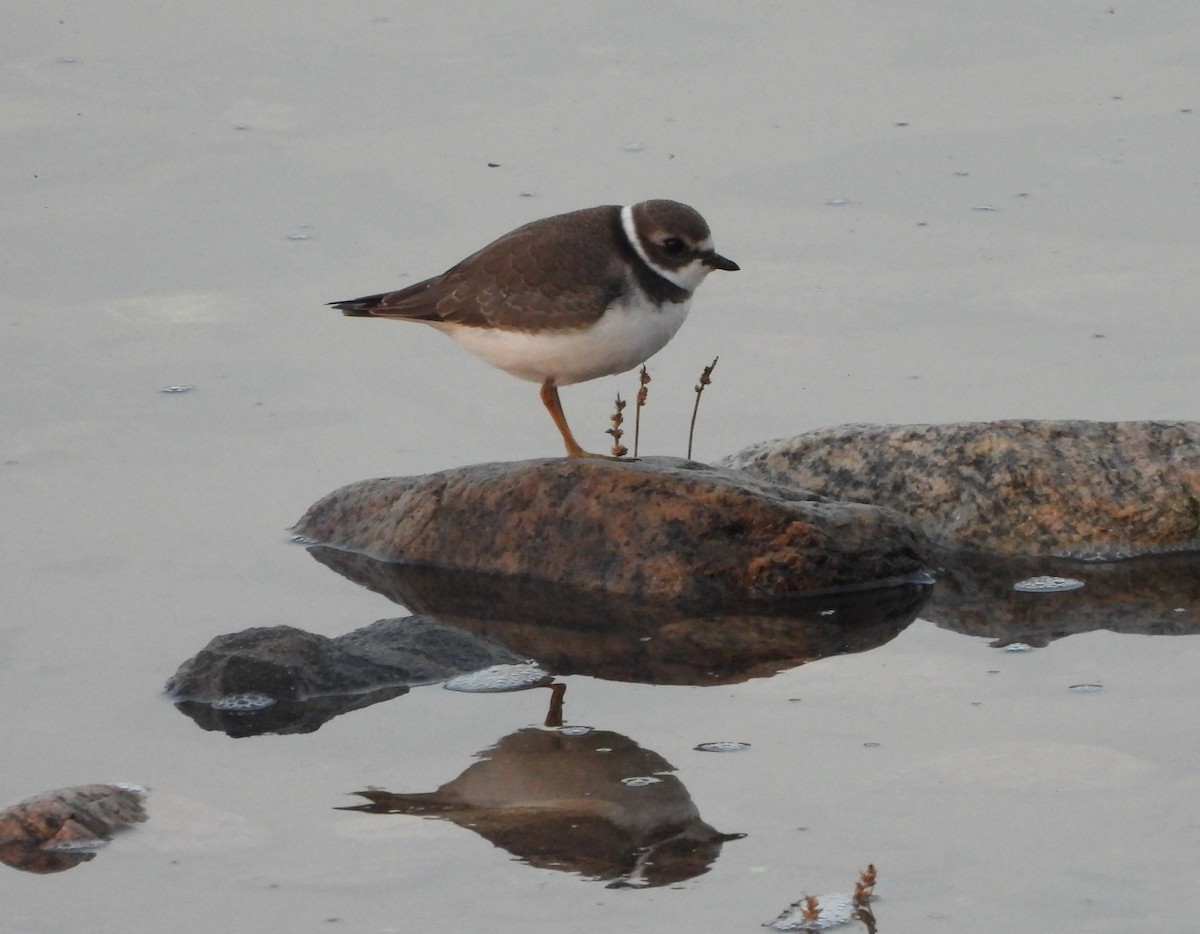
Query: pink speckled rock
{"points": [[60, 829], [1078, 489], [657, 528]]}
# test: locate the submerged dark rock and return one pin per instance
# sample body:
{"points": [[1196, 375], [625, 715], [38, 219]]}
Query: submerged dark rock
{"points": [[1076, 489], [661, 529], [281, 679]]}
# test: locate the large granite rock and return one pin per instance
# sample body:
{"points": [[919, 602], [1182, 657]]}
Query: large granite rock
{"points": [[659, 528], [1077, 489]]}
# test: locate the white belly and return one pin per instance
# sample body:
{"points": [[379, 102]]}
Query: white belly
{"points": [[626, 336]]}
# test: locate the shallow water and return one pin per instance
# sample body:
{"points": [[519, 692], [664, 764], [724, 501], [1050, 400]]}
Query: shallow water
{"points": [[179, 207]]}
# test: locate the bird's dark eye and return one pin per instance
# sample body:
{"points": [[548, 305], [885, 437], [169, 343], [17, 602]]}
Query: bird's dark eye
{"points": [[673, 245]]}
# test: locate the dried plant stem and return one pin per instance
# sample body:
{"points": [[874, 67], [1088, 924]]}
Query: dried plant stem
{"points": [[865, 887], [643, 391], [617, 419], [705, 379]]}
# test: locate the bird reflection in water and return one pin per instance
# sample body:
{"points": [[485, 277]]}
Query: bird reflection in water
{"points": [[563, 800]]}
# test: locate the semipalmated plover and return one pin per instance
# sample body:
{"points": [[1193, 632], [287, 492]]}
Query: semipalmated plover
{"points": [[566, 298]]}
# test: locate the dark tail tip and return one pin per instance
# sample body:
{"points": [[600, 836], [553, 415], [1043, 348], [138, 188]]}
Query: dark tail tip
{"points": [[355, 308]]}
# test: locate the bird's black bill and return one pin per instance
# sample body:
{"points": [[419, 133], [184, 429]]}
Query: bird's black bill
{"points": [[717, 261]]}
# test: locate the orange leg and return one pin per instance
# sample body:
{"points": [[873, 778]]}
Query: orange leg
{"points": [[551, 401], [554, 716]]}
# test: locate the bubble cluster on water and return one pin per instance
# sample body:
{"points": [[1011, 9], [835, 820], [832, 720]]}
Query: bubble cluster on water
{"points": [[640, 781], [170, 390], [722, 746], [498, 678], [1018, 647], [575, 730], [835, 910], [1047, 584], [247, 702], [76, 846], [635, 147]]}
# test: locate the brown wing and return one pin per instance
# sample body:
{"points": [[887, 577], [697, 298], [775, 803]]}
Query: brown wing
{"points": [[560, 271]]}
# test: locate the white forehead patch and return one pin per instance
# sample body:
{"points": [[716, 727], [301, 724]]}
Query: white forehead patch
{"points": [[686, 277]]}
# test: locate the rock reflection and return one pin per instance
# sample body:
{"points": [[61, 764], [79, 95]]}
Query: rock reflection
{"points": [[1150, 596], [559, 800], [623, 639]]}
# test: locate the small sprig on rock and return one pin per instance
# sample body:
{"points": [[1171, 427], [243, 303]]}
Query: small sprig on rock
{"points": [[705, 379], [642, 393], [865, 887], [617, 419], [864, 891]]}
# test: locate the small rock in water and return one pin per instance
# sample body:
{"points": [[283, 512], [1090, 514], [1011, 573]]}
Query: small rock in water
{"points": [[70, 823], [177, 389], [835, 910], [1047, 584], [243, 702], [722, 746], [498, 678]]}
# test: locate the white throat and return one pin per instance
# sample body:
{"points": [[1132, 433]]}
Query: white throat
{"points": [[686, 277]]}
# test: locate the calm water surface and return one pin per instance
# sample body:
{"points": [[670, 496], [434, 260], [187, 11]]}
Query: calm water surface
{"points": [[155, 190]]}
